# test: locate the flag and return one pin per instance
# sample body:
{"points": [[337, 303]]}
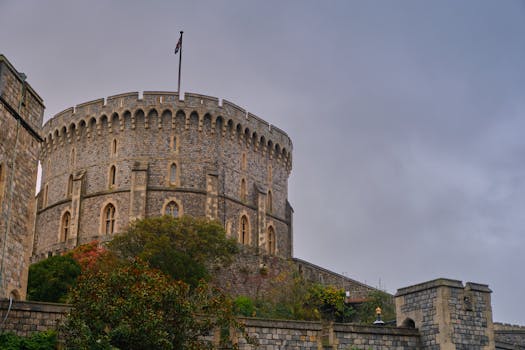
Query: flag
{"points": [[179, 45]]}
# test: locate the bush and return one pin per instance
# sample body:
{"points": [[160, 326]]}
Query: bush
{"points": [[244, 306], [50, 279], [133, 306], [38, 341]]}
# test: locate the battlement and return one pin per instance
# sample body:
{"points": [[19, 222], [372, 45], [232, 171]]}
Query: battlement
{"points": [[162, 100], [162, 109], [443, 282]]}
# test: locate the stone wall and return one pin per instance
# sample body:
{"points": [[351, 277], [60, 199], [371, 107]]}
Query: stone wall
{"points": [[311, 272], [21, 113], [280, 334], [512, 336], [255, 274], [25, 318], [140, 153], [449, 316], [432, 314]]}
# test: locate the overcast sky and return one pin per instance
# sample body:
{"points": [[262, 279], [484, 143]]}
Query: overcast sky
{"points": [[407, 117]]}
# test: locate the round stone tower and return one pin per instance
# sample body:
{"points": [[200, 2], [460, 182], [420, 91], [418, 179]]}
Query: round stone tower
{"points": [[108, 162]]}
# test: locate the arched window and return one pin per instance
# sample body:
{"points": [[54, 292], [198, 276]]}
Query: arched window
{"points": [[65, 227], [172, 209], [109, 219], [244, 234], [69, 186], [269, 202], [243, 190], [173, 174], [174, 143], [270, 240], [112, 176]]}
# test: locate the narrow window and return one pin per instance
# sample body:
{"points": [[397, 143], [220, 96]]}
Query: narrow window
{"points": [[1, 184], [72, 157], [112, 176], [66, 222], [109, 219], [243, 190], [269, 204], [45, 196], [271, 241], [243, 161], [172, 209], [174, 144], [173, 174], [69, 186], [244, 234], [114, 147]]}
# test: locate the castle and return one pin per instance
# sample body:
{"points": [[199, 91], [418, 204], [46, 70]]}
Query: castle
{"points": [[110, 161]]}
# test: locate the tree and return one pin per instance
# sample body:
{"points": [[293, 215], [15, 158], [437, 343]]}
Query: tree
{"points": [[87, 255], [185, 248], [135, 307], [50, 279]]}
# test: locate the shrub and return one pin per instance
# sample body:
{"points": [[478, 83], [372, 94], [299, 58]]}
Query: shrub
{"points": [[38, 341], [50, 279]]}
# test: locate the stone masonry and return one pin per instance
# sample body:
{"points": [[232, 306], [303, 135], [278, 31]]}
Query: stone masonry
{"points": [[143, 156], [448, 315], [25, 318], [21, 113]]}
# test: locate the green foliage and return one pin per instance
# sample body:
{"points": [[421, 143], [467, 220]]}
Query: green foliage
{"points": [[50, 279], [135, 307], [244, 306], [185, 248], [37, 341], [329, 301], [286, 299], [294, 298], [366, 311]]}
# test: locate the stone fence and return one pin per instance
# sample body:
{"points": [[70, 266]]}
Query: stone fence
{"points": [[301, 335], [510, 336], [26, 317]]}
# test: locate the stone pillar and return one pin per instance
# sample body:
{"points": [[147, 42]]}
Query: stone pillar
{"points": [[261, 217], [212, 194], [449, 316], [76, 201], [137, 195]]}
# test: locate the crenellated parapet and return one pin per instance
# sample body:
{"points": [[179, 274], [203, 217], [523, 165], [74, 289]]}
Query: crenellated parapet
{"points": [[160, 110]]}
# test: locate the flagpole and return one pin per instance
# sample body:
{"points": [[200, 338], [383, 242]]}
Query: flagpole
{"points": [[180, 62]]}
